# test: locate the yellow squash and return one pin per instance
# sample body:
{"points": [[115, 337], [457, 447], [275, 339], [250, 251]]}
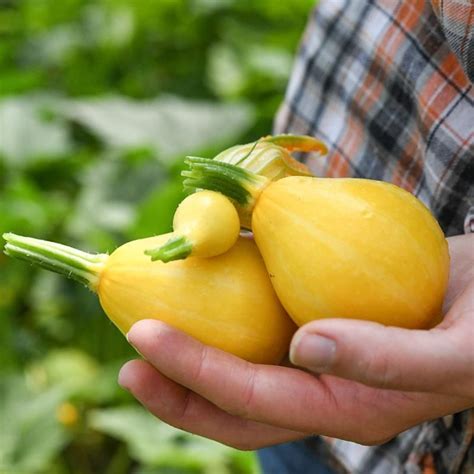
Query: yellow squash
{"points": [[226, 301], [348, 248], [206, 224]]}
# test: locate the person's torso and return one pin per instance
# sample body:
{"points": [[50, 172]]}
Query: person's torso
{"points": [[378, 81]]}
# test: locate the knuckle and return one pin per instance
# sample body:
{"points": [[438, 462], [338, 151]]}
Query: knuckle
{"points": [[381, 371], [198, 370], [242, 406], [248, 394]]}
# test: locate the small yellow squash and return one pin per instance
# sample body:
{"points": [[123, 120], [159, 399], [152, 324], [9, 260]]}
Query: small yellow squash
{"points": [[206, 224]]}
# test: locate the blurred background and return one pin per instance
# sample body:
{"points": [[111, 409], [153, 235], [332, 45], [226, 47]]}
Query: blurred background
{"points": [[100, 100]]}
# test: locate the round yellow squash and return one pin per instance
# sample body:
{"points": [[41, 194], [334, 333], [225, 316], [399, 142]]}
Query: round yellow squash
{"points": [[206, 224], [225, 301]]}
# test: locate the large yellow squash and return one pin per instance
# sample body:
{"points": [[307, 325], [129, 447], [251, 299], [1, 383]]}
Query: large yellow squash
{"points": [[226, 301], [352, 248], [345, 248]]}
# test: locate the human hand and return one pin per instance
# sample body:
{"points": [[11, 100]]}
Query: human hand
{"points": [[381, 380]]}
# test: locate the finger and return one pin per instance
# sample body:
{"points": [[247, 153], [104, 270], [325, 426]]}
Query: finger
{"points": [[285, 397], [278, 396], [234, 385], [183, 409], [440, 360]]}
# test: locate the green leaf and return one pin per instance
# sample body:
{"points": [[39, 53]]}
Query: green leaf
{"points": [[70, 369], [169, 125], [105, 204], [154, 443], [26, 134], [79, 375], [31, 434], [154, 216], [24, 208]]}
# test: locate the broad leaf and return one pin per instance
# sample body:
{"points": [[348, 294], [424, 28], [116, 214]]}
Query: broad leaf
{"points": [[170, 125], [31, 434], [154, 443], [26, 133]]}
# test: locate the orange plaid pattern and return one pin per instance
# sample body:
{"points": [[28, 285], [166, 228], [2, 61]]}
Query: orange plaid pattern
{"points": [[380, 82], [457, 21]]}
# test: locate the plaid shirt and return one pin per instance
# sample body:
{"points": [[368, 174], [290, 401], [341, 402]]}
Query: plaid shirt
{"points": [[387, 84]]}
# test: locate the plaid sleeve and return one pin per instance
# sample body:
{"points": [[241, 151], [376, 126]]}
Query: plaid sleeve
{"points": [[387, 84], [457, 22]]}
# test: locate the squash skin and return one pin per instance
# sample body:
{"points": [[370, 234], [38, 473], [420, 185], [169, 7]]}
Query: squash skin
{"points": [[226, 301], [210, 221], [352, 248]]}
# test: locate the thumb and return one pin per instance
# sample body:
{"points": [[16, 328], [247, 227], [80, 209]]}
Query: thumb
{"points": [[381, 356]]}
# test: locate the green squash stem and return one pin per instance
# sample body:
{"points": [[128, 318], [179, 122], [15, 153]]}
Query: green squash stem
{"points": [[240, 185], [80, 266], [176, 248]]}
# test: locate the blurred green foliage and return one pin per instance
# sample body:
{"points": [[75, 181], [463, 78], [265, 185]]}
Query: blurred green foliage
{"points": [[99, 102]]}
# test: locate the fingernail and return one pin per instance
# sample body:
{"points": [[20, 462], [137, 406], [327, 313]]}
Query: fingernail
{"points": [[313, 351], [140, 331], [124, 377]]}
